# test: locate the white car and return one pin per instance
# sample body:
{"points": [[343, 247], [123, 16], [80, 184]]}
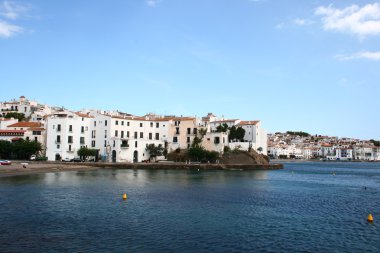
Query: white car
{"points": [[33, 157]]}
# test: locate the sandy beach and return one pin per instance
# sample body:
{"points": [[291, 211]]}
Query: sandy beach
{"points": [[16, 168]]}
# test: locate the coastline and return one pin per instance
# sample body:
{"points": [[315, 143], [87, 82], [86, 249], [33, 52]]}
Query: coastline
{"points": [[16, 168]]}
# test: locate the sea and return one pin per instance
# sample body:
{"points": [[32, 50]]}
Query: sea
{"points": [[306, 207]]}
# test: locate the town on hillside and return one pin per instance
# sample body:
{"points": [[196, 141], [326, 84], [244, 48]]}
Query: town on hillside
{"points": [[301, 145], [122, 137]]}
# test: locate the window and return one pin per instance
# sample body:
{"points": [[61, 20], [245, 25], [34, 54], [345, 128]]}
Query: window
{"points": [[127, 123], [117, 122], [141, 124], [188, 139], [150, 136], [105, 143], [116, 133], [177, 130], [141, 135], [122, 134], [114, 143], [175, 139], [105, 122], [58, 146], [82, 129], [58, 127], [157, 136], [135, 135], [135, 144], [157, 125], [127, 134], [81, 140], [217, 140], [69, 147], [151, 124], [188, 130], [122, 123], [93, 144], [95, 123], [195, 131], [27, 138], [35, 139], [58, 139], [105, 133], [69, 139], [70, 128]]}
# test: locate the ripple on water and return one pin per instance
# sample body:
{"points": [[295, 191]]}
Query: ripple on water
{"points": [[309, 210]]}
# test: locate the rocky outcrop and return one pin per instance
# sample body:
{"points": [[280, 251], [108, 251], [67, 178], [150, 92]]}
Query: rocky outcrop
{"points": [[244, 157]]}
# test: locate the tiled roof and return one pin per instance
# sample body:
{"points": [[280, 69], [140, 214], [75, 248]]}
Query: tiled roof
{"points": [[36, 129], [253, 122], [83, 115], [26, 124]]}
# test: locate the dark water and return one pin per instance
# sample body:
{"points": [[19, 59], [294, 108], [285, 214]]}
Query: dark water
{"points": [[303, 208]]}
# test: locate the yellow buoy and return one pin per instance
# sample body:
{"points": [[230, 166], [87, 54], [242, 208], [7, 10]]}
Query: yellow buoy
{"points": [[124, 196], [370, 218]]}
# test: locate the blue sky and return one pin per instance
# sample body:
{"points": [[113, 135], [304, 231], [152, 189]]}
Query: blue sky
{"points": [[295, 65]]}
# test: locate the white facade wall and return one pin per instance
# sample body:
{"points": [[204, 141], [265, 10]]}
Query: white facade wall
{"points": [[64, 133], [4, 123]]}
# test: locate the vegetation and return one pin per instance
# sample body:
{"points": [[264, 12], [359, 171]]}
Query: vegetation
{"points": [[198, 153], [236, 133], [222, 128], [21, 149], [85, 152], [155, 151], [376, 143], [300, 133], [16, 115]]}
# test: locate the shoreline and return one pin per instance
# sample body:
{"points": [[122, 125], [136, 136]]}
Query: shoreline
{"points": [[16, 168]]}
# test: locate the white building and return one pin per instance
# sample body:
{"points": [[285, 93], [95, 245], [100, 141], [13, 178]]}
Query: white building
{"points": [[67, 132]]}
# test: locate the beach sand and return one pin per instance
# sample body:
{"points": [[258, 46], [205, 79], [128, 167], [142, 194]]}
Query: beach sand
{"points": [[16, 168]]}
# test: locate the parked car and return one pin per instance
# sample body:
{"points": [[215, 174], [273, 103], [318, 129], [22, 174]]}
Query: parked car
{"points": [[5, 162], [33, 157], [66, 159], [77, 159]]}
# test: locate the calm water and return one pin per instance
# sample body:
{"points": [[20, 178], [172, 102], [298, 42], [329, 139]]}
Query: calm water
{"points": [[303, 208]]}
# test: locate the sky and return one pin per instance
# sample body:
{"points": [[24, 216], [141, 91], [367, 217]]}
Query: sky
{"points": [[309, 66]]}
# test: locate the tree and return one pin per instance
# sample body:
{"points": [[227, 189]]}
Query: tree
{"points": [[16, 115], [232, 134], [260, 149], [154, 150], [21, 149], [376, 143], [222, 128], [84, 152], [240, 132], [202, 132], [5, 149]]}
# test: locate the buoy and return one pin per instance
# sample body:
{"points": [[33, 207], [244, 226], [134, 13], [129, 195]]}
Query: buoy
{"points": [[124, 196], [370, 218]]}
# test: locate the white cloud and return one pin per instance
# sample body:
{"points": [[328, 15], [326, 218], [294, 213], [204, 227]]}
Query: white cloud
{"points": [[361, 21], [12, 10], [153, 3], [360, 55], [301, 22], [8, 30], [280, 25]]}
